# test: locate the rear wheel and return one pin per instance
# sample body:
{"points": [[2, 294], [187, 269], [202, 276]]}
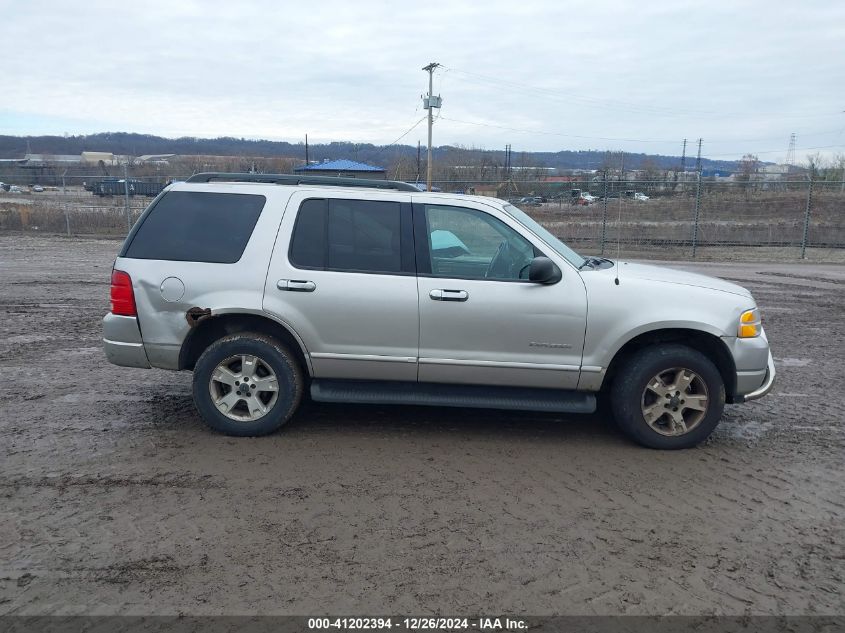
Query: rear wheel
{"points": [[668, 396], [247, 384]]}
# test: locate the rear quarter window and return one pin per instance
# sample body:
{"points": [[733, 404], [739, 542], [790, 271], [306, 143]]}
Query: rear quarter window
{"points": [[197, 226]]}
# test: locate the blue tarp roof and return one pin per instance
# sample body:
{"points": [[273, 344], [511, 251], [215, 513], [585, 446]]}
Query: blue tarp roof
{"points": [[339, 165]]}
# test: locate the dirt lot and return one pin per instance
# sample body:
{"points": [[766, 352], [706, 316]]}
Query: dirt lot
{"points": [[114, 498]]}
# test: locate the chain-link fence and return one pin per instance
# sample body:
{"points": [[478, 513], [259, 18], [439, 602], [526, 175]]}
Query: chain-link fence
{"points": [[696, 219], [71, 214]]}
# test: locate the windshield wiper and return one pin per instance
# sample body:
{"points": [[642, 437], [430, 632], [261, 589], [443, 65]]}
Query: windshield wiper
{"points": [[594, 262]]}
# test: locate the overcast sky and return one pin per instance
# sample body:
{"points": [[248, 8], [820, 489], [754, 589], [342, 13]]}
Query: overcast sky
{"points": [[638, 76]]}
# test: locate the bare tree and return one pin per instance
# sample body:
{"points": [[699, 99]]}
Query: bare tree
{"points": [[747, 172]]}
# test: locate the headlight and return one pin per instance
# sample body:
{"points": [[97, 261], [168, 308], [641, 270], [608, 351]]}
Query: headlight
{"points": [[749, 324]]}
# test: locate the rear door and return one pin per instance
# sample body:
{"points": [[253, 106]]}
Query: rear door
{"points": [[481, 320], [342, 276]]}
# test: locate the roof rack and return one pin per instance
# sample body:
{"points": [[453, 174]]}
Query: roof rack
{"points": [[288, 179]]}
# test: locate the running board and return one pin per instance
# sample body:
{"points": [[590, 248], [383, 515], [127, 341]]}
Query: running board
{"points": [[441, 395]]}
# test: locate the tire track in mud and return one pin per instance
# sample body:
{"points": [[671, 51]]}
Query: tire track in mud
{"points": [[116, 498]]}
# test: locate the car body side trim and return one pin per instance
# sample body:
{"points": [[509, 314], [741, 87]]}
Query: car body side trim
{"points": [[363, 357], [451, 395], [497, 364]]}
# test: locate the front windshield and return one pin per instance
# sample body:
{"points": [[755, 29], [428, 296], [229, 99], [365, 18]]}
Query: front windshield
{"points": [[530, 223]]}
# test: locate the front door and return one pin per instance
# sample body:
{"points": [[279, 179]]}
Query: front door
{"points": [[481, 320]]}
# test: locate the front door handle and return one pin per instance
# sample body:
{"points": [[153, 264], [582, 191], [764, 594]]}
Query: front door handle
{"points": [[442, 294], [296, 285]]}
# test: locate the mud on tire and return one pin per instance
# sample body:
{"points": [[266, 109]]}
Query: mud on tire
{"points": [[247, 384], [654, 392]]}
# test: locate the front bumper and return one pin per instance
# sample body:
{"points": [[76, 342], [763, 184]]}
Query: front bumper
{"points": [[755, 369], [766, 387], [122, 341]]}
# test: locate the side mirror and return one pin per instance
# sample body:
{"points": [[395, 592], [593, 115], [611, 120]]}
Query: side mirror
{"points": [[544, 271]]}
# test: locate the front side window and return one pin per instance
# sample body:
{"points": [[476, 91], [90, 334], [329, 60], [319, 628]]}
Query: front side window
{"points": [[196, 226], [467, 243], [531, 224], [348, 235]]}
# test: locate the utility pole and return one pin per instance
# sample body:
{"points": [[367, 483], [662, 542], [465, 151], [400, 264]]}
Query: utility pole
{"points": [[508, 178], [429, 103], [126, 194], [698, 158], [697, 200], [306, 151], [682, 169], [508, 160], [790, 153]]}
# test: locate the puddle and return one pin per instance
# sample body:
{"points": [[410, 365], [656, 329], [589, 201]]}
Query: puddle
{"points": [[794, 362], [27, 338], [748, 430]]}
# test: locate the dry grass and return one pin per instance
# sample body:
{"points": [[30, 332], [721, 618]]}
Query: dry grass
{"points": [[760, 225]]}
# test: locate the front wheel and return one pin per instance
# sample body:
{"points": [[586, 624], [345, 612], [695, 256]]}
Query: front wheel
{"points": [[668, 396], [247, 384]]}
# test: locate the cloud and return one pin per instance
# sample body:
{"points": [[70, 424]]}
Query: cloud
{"points": [[575, 75]]}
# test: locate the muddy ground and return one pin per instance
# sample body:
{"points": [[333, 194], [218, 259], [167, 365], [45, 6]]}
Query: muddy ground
{"points": [[114, 498]]}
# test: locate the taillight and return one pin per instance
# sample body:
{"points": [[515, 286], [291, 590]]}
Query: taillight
{"points": [[122, 296]]}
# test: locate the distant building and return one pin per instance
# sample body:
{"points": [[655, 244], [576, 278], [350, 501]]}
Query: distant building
{"points": [[94, 158], [492, 191], [344, 168], [154, 159], [779, 170], [35, 160], [559, 179]]}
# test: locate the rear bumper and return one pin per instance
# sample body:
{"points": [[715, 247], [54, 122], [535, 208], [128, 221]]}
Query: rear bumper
{"points": [[122, 341], [766, 387]]}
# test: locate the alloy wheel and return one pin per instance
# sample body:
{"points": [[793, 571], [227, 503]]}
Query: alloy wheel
{"points": [[675, 401], [243, 387]]}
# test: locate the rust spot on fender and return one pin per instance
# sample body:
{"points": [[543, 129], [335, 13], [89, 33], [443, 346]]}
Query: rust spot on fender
{"points": [[195, 315]]}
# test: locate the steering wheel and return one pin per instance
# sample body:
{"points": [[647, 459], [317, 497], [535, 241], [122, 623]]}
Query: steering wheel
{"points": [[500, 264]]}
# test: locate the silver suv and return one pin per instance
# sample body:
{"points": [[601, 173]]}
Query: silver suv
{"points": [[374, 292]]}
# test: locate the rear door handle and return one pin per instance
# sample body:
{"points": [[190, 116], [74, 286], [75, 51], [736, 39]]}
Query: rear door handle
{"points": [[296, 285], [442, 294]]}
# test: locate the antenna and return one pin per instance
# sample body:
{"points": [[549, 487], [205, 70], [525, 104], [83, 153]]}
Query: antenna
{"points": [[619, 222]]}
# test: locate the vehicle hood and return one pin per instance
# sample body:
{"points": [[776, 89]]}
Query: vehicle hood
{"points": [[668, 275]]}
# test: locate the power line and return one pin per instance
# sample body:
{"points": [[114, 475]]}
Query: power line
{"points": [[780, 151], [608, 138], [571, 97], [626, 105], [549, 133], [408, 131]]}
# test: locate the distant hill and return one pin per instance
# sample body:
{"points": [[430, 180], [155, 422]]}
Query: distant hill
{"points": [[139, 144]]}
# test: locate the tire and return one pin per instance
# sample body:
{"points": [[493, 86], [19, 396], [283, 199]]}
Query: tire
{"points": [[643, 390], [239, 358]]}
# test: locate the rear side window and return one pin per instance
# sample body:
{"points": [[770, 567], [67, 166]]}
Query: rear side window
{"points": [[198, 227], [308, 246], [348, 235]]}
